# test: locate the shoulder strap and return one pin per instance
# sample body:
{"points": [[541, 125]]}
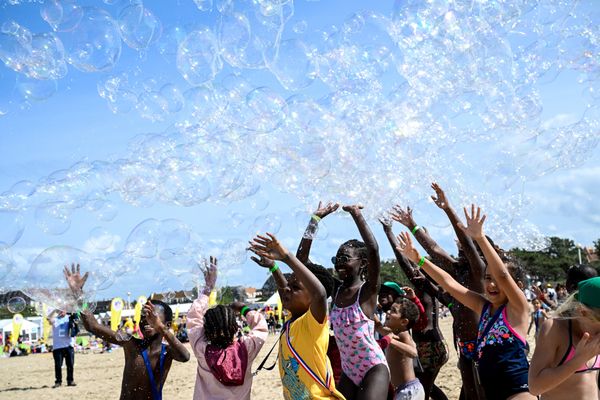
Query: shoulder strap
{"points": [[305, 366], [156, 392], [264, 361], [570, 346], [490, 324]]}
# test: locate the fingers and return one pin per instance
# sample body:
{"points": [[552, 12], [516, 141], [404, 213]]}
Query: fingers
{"points": [[483, 219], [472, 211], [85, 277], [320, 205], [478, 213]]}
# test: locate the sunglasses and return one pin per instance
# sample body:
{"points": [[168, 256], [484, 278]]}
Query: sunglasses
{"points": [[342, 259]]}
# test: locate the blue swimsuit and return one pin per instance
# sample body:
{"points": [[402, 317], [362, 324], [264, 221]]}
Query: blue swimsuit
{"points": [[501, 356]]}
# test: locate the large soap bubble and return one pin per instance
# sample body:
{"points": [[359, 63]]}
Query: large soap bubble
{"points": [[139, 26], [45, 282], [198, 58], [11, 227], [95, 44], [293, 64]]}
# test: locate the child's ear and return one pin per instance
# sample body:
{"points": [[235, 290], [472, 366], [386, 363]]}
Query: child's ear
{"points": [[168, 324], [404, 321]]}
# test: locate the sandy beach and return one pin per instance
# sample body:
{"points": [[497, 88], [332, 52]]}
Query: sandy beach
{"points": [[98, 376]]}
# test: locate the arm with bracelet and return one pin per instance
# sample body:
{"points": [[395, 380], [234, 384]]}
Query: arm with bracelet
{"points": [[321, 212], [435, 251], [476, 263], [469, 298]]}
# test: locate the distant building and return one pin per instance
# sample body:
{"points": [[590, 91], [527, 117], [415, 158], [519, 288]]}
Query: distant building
{"points": [[591, 255], [252, 295]]}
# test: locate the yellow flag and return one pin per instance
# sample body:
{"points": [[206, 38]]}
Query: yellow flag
{"points": [[176, 313], [212, 298], [116, 306], [16, 328], [137, 315], [46, 323], [279, 308]]}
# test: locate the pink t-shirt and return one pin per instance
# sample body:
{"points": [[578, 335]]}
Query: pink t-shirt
{"points": [[207, 386]]}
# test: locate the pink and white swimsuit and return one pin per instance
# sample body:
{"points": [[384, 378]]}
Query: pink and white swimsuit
{"points": [[355, 336]]}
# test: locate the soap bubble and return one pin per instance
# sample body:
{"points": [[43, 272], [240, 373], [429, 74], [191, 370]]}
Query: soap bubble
{"points": [[36, 90], [293, 65], [63, 15], [11, 228], [95, 44], [101, 239], [204, 5], [7, 264], [16, 304], [266, 110], [143, 239], [45, 281], [198, 58], [53, 218], [173, 97], [139, 26]]}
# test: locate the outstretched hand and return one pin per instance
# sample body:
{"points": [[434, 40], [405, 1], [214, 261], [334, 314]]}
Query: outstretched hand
{"points": [[353, 209], [405, 217], [268, 247], [440, 197], [475, 221], [263, 262], [386, 222], [324, 210], [406, 247], [210, 274], [74, 279]]}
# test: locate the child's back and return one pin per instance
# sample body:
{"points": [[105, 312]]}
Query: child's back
{"points": [[224, 367]]}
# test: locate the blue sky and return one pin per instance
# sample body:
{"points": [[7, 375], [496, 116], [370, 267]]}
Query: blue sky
{"points": [[76, 124]]}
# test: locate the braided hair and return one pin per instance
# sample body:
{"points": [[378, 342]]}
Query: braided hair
{"points": [[323, 276], [220, 326], [361, 249]]}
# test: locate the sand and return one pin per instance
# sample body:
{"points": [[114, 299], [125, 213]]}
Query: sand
{"points": [[98, 376]]}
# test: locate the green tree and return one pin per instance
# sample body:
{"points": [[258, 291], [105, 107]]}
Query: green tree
{"points": [[391, 271], [550, 263]]}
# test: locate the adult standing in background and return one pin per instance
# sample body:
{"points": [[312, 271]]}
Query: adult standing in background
{"points": [[63, 342]]}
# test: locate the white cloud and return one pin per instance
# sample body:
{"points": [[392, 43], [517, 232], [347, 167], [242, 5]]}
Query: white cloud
{"points": [[559, 120]]}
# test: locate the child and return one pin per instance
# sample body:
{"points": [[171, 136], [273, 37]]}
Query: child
{"points": [[538, 316], [401, 317], [224, 364], [501, 362], [467, 269], [366, 374], [303, 364], [566, 360], [147, 360]]}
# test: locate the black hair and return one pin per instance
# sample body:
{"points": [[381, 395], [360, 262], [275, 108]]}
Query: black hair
{"points": [[578, 273], [356, 244], [220, 326], [323, 276], [408, 310], [166, 308]]}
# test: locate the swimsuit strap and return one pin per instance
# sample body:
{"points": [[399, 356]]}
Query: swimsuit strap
{"points": [[570, 346], [156, 392]]}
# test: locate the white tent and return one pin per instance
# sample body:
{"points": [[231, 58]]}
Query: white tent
{"points": [[30, 331], [273, 300]]}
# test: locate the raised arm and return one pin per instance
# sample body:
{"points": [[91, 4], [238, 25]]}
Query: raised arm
{"points": [[404, 344], [176, 349], [279, 277], [371, 288], [517, 302], [321, 212], [435, 251], [469, 298], [269, 247], [468, 247], [76, 283], [195, 317], [413, 274]]}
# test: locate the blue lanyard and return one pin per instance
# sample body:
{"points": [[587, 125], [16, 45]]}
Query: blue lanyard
{"points": [[156, 392]]}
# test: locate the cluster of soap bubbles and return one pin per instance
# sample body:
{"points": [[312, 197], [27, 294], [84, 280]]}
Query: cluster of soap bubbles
{"points": [[370, 110]]}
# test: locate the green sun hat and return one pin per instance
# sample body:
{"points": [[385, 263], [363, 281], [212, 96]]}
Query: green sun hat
{"points": [[395, 287], [589, 292]]}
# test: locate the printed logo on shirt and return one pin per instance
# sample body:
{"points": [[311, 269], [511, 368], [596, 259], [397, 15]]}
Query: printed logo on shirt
{"points": [[294, 388]]}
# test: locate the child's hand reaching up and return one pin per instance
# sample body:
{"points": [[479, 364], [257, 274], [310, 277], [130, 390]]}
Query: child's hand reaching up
{"points": [[406, 247], [263, 261], [475, 221], [74, 279], [210, 275], [269, 247], [324, 210]]}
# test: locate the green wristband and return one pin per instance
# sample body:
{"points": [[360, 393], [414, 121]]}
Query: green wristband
{"points": [[244, 310], [421, 261], [274, 268], [316, 218], [415, 229]]}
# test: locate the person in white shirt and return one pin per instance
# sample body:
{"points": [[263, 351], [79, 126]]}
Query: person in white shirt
{"points": [[62, 345]]}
